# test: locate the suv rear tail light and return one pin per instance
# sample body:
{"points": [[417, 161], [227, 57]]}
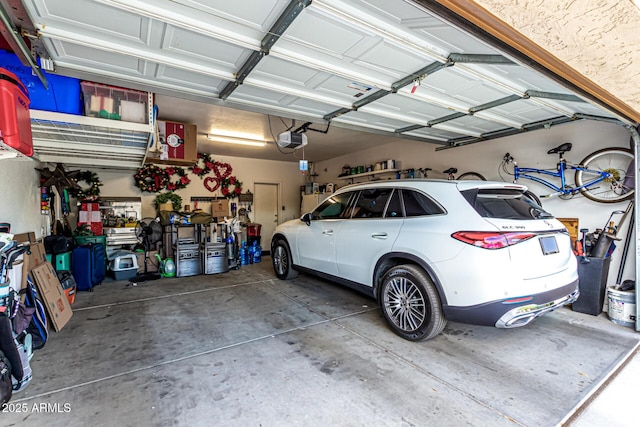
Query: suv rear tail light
{"points": [[491, 240]]}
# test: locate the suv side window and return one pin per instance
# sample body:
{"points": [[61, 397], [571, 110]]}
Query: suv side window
{"points": [[418, 204], [335, 207], [371, 203], [394, 208]]}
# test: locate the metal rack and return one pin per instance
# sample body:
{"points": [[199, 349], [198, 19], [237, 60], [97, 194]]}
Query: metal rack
{"points": [[90, 141]]}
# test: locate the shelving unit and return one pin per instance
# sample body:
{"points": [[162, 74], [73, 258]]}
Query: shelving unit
{"points": [[369, 174], [89, 141]]}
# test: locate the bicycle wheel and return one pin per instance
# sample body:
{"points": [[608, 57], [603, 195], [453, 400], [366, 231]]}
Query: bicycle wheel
{"points": [[620, 186], [471, 176], [533, 197]]}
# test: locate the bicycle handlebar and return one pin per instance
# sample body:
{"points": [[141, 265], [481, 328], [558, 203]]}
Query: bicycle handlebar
{"points": [[507, 158]]}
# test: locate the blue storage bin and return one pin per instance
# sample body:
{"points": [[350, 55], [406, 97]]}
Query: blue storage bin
{"points": [[63, 94]]}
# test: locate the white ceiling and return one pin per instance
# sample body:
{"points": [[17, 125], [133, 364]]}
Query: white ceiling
{"points": [[390, 68]]}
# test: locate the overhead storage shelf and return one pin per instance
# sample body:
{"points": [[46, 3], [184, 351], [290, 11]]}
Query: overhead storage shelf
{"points": [[89, 141]]}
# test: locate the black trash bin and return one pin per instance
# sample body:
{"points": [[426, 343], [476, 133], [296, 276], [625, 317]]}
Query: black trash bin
{"points": [[593, 285]]}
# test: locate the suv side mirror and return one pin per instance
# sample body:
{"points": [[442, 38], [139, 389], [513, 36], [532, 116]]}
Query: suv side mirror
{"points": [[306, 218]]}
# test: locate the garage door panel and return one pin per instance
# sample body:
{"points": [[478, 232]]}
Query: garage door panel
{"points": [[94, 16], [361, 118], [192, 46], [434, 133], [285, 102]]}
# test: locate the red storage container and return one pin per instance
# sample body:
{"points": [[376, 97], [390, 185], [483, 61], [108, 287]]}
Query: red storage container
{"points": [[15, 122], [253, 229]]}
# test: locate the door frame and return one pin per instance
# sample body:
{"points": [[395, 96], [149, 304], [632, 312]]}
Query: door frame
{"points": [[267, 248]]}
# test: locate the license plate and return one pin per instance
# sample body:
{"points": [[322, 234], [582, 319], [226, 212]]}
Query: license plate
{"points": [[549, 245]]}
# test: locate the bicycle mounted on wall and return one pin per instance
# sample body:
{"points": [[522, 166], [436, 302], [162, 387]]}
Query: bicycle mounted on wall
{"points": [[604, 176]]}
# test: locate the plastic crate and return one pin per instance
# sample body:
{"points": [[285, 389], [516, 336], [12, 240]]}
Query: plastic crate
{"points": [[116, 103], [15, 123], [63, 94]]}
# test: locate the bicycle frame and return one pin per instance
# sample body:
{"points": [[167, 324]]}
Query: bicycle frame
{"points": [[562, 167]]}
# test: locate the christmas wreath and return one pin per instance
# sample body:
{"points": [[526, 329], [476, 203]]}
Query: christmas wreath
{"points": [[151, 178], [183, 179], [90, 194], [225, 183], [207, 165]]}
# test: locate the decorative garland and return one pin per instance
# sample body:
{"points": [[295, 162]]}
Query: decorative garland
{"points": [[183, 179], [201, 171], [226, 182], [90, 194], [151, 178]]}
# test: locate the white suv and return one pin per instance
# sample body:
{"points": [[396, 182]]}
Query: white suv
{"points": [[430, 251]]}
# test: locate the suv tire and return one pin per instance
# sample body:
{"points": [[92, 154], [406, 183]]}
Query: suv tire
{"points": [[282, 261], [410, 303]]}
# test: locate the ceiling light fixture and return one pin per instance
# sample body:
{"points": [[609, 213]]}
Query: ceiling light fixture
{"points": [[233, 140]]}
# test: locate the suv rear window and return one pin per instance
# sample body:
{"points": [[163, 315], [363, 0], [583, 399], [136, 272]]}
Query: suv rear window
{"points": [[504, 203], [417, 204]]}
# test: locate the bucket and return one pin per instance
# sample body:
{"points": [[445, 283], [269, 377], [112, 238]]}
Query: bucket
{"points": [[622, 307]]}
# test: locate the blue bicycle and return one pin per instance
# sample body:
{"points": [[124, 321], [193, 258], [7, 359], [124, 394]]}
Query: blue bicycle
{"points": [[604, 176]]}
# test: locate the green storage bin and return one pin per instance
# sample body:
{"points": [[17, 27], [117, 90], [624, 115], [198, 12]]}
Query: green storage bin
{"points": [[61, 261]]}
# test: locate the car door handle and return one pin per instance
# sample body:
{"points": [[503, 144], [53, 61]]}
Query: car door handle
{"points": [[328, 232], [381, 236]]}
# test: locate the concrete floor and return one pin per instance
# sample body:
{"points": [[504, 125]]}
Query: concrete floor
{"points": [[245, 349]]}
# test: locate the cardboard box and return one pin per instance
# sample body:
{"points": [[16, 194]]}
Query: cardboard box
{"points": [[152, 265], [52, 295], [31, 259], [179, 144], [25, 237], [219, 208]]}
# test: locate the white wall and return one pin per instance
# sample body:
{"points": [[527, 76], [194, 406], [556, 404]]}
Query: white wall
{"points": [[20, 196], [529, 149], [120, 183]]}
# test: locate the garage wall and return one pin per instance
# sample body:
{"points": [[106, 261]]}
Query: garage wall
{"points": [[120, 183], [529, 149], [593, 37], [20, 205]]}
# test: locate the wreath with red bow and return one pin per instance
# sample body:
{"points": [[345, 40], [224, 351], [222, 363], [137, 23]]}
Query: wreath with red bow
{"points": [[183, 179], [225, 183], [151, 178], [207, 165]]}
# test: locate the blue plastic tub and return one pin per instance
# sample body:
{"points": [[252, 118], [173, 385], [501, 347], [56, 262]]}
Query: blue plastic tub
{"points": [[63, 95]]}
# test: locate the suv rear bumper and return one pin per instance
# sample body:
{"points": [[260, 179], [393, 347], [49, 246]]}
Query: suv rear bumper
{"points": [[514, 312]]}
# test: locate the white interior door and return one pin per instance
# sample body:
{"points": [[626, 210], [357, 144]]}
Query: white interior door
{"points": [[265, 206]]}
